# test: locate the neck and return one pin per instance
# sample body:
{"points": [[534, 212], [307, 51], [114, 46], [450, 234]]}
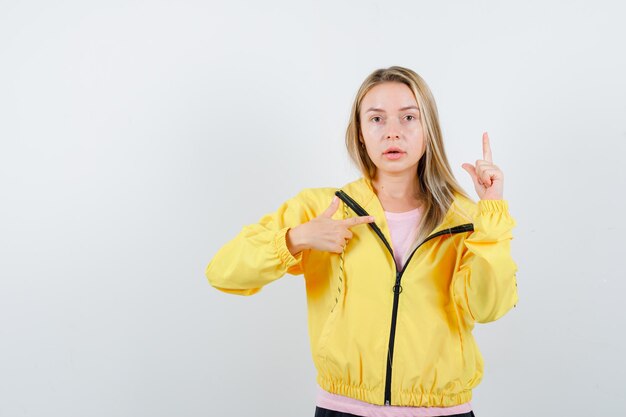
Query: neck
{"points": [[401, 187], [397, 193]]}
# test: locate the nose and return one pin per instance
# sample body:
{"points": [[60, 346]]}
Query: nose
{"points": [[393, 131]]}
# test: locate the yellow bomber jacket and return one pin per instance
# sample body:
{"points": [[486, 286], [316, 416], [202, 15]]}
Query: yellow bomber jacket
{"points": [[380, 335]]}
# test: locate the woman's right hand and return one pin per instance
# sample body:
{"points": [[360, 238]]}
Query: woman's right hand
{"points": [[324, 233]]}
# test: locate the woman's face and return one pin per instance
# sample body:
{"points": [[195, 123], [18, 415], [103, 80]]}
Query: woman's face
{"points": [[390, 117]]}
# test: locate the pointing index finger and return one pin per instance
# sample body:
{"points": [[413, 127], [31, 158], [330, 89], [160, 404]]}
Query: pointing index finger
{"points": [[486, 148], [353, 221]]}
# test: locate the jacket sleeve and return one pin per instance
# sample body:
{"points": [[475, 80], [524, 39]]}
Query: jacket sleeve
{"points": [[484, 284], [259, 255]]}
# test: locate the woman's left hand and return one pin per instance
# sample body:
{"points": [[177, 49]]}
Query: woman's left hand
{"points": [[488, 179]]}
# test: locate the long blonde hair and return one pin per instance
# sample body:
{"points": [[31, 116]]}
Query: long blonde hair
{"points": [[436, 181]]}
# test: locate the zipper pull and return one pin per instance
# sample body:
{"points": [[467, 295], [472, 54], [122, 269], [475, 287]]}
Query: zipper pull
{"points": [[397, 289], [386, 402]]}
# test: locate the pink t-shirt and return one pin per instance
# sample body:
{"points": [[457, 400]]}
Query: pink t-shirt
{"points": [[403, 230]]}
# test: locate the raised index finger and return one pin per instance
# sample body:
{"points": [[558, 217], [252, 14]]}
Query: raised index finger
{"points": [[486, 148]]}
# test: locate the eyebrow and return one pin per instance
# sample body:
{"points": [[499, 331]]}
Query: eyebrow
{"points": [[382, 111]]}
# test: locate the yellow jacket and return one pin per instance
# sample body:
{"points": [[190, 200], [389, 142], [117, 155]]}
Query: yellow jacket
{"points": [[380, 335]]}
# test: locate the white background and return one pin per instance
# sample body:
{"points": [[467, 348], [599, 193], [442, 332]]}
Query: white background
{"points": [[137, 137]]}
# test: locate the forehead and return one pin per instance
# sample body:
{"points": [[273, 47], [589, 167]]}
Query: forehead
{"points": [[389, 96]]}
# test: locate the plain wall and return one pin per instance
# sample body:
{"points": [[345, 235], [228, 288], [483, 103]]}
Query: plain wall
{"points": [[139, 137]]}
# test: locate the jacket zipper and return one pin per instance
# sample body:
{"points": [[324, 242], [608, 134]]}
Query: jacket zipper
{"points": [[397, 288]]}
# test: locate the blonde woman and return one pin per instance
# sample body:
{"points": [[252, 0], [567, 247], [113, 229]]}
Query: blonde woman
{"points": [[399, 264]]}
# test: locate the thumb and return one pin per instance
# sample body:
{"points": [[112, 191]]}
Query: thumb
{"points": [[472, 171], [332, 208]]}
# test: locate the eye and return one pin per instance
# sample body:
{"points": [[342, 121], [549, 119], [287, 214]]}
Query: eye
{"points": [[413, 117], [375, 117]]}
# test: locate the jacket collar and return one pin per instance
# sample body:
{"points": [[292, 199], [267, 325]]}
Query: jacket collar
{"points": [[461, 211]]}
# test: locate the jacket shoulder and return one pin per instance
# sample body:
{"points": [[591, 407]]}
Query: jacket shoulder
{"points": [[464, 208], [316, 199]]}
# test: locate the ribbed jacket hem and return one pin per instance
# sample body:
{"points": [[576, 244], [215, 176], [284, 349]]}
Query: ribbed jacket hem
{"points": [[399, 398]]}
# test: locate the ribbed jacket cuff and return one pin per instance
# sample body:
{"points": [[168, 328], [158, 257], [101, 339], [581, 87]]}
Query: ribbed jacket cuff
{"points": [[488, 206], [280, 243]]}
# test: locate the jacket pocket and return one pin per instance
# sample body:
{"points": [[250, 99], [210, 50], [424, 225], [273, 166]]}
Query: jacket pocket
{"points": [[325, 335], [336, 292]]}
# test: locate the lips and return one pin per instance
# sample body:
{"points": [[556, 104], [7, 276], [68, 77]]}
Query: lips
{"points": [[393, 149], [394, 154]]}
